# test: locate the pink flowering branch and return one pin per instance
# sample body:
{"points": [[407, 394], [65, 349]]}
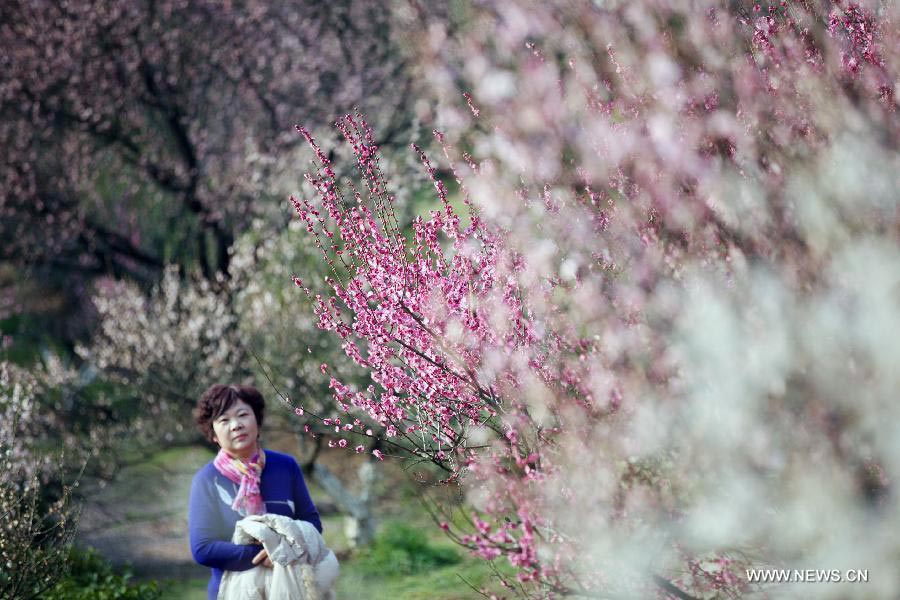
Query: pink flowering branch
{"points": [[403, 303], [383, 289]]}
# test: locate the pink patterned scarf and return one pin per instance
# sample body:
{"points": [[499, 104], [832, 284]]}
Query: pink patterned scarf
{"points": [[249, 500]]}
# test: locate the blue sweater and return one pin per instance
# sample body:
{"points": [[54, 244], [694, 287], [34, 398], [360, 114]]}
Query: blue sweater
{"points": [[211, 519]]}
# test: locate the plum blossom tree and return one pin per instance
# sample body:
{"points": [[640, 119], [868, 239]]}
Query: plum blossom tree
{"points": [[168, 346], [661, 334], [142, 133]]}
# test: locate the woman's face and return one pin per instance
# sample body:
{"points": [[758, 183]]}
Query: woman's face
{"points": [[236, 431]]}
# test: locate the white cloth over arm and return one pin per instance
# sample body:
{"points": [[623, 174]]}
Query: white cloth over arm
{"points": [[304, 568]]}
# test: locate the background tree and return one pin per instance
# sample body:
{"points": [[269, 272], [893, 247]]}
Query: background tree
{"points": [[140, 132]]}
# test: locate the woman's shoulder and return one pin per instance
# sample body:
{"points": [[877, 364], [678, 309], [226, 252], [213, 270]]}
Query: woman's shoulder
{"points": [[207, 471], [203, 483], [280, 460]]}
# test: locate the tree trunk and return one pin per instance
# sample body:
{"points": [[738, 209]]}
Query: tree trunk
{"points": [[359, 520]]}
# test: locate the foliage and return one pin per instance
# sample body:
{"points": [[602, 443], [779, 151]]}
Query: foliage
{"points": [[91, 577], [650, 356], [35, 532], [403, 550]]}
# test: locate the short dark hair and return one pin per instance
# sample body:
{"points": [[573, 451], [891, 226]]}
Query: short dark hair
{"points": [[219, 398]]}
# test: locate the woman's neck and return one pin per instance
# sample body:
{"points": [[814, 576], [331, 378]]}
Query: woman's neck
{"points": [[245, 457]]}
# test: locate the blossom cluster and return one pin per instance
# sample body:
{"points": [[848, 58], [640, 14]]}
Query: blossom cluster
{"points": [[170, 345], [419, 316]]}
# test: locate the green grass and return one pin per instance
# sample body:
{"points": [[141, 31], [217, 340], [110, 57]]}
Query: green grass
{"points": [[401, 549], [442, 583], [192, 589], [439, 583], [92, 577]]}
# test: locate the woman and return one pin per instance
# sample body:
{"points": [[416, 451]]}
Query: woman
{"points": [[242, 480]]}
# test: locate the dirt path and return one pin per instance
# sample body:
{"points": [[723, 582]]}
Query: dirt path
{"points": [[141, 518]]}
